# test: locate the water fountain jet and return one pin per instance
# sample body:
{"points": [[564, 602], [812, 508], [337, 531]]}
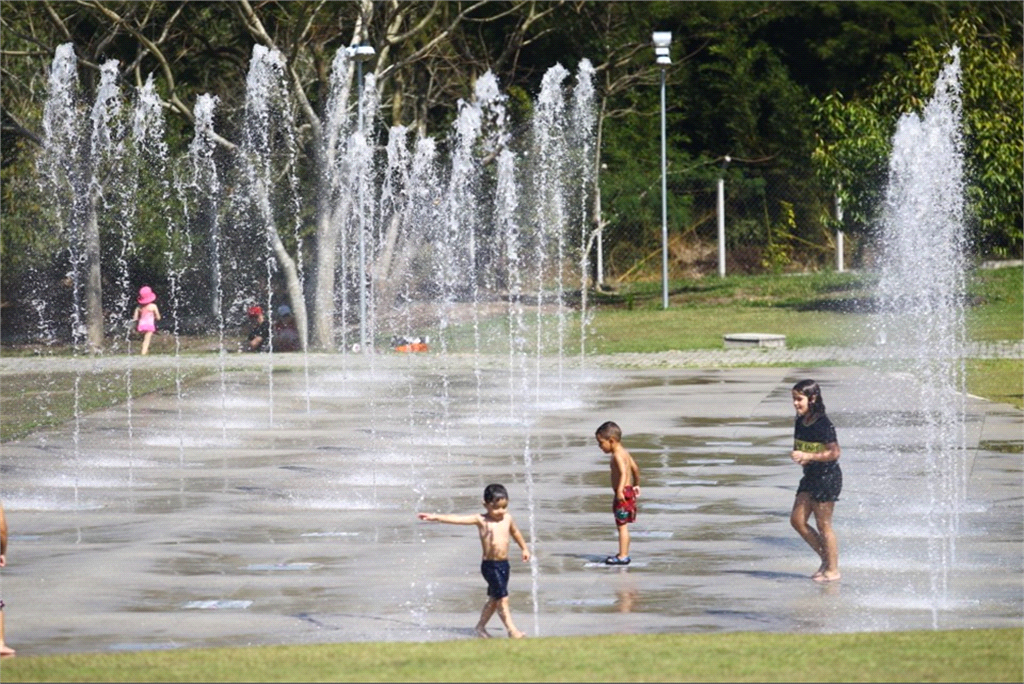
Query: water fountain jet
{"points": [[921, 296]]}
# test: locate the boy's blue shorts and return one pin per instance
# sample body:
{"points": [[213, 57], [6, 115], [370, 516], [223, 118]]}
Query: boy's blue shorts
{"points": [[496, 573]]}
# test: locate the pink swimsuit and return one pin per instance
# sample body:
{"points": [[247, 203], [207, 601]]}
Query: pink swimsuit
{"points": [[146, 320]]}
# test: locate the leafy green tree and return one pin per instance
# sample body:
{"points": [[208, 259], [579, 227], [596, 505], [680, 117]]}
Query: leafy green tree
{"points": [[854, 136]]}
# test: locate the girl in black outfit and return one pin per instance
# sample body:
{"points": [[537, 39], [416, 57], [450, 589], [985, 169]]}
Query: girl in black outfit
{"points": [[816, 448]]}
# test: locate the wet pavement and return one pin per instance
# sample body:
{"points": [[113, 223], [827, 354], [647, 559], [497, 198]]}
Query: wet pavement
{"points": [[262, 507]]}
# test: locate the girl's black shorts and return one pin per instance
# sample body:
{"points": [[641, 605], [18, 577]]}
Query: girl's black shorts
{"points": [[823, 487]]}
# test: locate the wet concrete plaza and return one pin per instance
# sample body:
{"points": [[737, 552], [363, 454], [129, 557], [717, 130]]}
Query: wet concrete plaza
{"points": [[259, 507]]}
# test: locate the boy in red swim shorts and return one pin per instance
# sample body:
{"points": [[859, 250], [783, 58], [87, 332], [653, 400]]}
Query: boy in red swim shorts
{"points": [[625, 484]]}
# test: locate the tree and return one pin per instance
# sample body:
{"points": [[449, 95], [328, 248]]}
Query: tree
{"points": [[855, 134]]}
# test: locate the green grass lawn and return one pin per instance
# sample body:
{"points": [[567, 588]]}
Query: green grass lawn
{"points": [[984, 655], [37, 400], [996, 305], [814, 309], [811, 310]]}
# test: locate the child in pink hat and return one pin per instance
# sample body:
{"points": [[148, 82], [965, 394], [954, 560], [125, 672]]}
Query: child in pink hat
{"points": [[147, 314]]}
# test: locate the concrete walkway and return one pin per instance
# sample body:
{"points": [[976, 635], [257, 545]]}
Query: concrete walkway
{"points": [[263, 508]]}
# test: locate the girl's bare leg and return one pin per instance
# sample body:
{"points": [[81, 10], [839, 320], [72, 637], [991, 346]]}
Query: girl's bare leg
{"points": [[803, 506], [145, 342], [506, 617], [485, 617], [829, 544]]}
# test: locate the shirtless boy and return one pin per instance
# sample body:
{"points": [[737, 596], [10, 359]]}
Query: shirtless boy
{"points": [[625, 484], [496, 527]]}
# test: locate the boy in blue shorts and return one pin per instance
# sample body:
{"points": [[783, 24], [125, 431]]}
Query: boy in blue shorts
{"points": [[496, 527]]}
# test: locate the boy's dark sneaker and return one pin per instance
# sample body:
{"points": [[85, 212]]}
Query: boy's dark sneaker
{"points": [[615, 560]]}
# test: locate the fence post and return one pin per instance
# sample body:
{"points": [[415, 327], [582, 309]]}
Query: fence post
{"points": [[839, 233], [721, 218]]}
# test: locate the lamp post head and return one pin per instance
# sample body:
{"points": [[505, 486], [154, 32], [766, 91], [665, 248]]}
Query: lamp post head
{"points": [[360, 53], [662, 41]]}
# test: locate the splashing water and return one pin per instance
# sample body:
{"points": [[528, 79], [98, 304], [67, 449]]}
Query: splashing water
{"points": [[921, 296]]}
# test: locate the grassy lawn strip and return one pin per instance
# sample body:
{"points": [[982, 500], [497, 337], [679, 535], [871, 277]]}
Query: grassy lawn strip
{"points": [[1000, 380], [33, 401], [989, 655], [816, 309], [702, 326]]}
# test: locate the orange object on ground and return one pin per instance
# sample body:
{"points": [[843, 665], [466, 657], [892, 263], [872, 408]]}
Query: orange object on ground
{"points": [[411, 347]]}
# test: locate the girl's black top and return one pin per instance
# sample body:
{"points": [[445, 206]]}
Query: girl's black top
{"points": [[812, 439]]}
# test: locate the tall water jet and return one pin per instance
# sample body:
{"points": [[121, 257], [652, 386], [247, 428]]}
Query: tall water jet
{"points": [[394, 216], [106, 155], [333, 202], [199, 191], [921, 297], [63, 178], [76, 165], [151, 159], [583, 122], [506, 213], [268, 152], [463, 209], [548, 162]]}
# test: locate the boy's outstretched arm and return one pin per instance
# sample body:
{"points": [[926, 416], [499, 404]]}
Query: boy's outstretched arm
{"points": [[473, 519], [518, 536]]}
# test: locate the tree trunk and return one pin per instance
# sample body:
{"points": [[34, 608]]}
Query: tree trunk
{"points": [[323, 294], [291, 279], [93, 279]]}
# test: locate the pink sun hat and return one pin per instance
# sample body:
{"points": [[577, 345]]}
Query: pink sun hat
{"points": [[146, 295]]}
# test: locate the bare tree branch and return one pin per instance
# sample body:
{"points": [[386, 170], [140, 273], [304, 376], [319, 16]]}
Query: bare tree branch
{"points": [[157, 53]]}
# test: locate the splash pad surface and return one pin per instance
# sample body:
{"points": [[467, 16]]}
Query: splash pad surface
{"points": [[283, 511]]}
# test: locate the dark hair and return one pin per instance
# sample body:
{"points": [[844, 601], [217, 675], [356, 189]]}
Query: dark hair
{"points": [[495, 492], [811, 390], [609, 430]]}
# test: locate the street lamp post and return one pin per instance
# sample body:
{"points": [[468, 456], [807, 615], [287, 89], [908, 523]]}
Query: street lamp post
{"points": [[662, 41], [360, 54]]}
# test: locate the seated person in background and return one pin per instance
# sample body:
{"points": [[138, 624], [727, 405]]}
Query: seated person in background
{"points": [[259, 336], [286, 335]]}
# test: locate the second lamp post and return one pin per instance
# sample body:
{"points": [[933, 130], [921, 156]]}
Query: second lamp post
{"points": [[662, 40]]}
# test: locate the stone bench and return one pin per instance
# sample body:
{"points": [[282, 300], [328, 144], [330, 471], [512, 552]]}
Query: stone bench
{"points": [[749, 340]]}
